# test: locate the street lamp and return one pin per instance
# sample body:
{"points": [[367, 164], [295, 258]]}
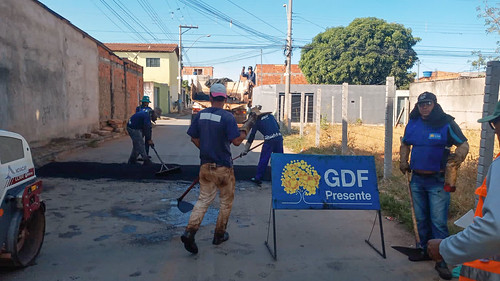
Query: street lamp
{"points": [[179, 100], [208, 35]]}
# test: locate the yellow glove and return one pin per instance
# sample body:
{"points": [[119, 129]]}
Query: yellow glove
{"points": [[247, 126]]}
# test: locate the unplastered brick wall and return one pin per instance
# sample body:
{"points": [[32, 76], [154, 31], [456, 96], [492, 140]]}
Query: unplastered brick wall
{"points": [[271, 74], [120, 86]]}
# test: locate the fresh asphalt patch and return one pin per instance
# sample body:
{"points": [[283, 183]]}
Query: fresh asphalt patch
{"points": [[136, 172]]}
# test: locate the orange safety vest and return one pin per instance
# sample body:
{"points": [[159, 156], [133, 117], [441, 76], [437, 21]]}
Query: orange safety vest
{"points": [[483, 269]]}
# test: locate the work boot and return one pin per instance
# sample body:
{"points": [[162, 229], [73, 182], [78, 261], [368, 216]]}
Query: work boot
{"points": [[443, 270], [147, 162], [131, 161], [256, 181], [188, 239], [219, 238]]}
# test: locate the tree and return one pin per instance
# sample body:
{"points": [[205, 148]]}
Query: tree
{"points": [[365, 52], [491, 17], [480, 63]]}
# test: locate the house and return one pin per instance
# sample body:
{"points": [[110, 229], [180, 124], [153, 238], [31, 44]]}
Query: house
{"points": [[160, 63], [198, 70]]}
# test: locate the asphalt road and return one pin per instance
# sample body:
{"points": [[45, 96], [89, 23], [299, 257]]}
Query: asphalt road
{"points": [[103, 227]]}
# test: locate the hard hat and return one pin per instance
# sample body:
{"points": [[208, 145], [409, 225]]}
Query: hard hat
{"points": [[145, 99]]}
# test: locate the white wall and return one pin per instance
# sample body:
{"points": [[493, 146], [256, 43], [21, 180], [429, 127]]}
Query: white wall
{"points": [[461, 98], [48, 74]]}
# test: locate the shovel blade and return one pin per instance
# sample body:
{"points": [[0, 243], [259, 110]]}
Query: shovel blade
{"points": [[184, 206], [408, 251]]}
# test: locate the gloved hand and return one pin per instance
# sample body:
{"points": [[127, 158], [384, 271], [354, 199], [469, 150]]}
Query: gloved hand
{"points": [[404, 155], [247, 149], [150, 142], [459, 156], [450, 177], [404, 167], [247, 126]]}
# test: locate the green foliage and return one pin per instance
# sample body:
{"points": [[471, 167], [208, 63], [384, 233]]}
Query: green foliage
{"points": [[491, 16], [365, 52], [323, 123], [480, 63]]}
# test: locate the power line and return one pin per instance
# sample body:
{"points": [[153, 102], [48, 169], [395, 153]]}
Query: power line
{"points": [[208, 10], [130, 27], [265, 22], [154, 16]]}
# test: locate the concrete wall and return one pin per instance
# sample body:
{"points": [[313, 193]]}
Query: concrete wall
{"points": [[55, 80], [366, 103], [461, 98], [48, 79]]}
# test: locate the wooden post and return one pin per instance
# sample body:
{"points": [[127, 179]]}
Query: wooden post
{"points": [[345, 100], [318, 116], [302, 114], [390, 93]]}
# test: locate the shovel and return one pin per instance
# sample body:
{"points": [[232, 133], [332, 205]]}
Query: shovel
{"points": [[409, 251], [186, 206]]}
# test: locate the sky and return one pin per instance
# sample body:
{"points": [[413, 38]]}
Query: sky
{"points": [[246, 33]]}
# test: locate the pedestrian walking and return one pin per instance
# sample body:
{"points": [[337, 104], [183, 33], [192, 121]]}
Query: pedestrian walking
{"points": [[267, 125], [429, 134], [139, 127], [213, 130], [478, 245]]}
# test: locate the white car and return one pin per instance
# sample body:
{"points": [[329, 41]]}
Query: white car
{"points": [[22, 212]]}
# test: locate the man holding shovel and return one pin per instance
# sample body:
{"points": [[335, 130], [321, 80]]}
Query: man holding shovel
{"points": [[273, 140], [430, 133], [213, 130], [478, 245]]}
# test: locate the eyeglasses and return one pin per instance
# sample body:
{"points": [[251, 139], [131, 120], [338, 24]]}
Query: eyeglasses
{"points": [[424, 103]]}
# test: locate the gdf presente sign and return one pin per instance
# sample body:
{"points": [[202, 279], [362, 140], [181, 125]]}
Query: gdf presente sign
{"points": [[324, 182]]}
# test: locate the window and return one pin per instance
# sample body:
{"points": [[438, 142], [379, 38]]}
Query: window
{"points": [[152, 62], [11, 149], [198, 71]]}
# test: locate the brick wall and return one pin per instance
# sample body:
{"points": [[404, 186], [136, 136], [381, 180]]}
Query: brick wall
{"points": [[271, 74], [119, 94]]}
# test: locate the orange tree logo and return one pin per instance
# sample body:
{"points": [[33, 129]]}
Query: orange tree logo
{"points": [[297, 174]]}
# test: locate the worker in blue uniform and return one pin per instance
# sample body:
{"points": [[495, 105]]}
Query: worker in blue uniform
{"points": [[139, 127], [250, 75], [429, 134], [145, 107], [267, 125]]}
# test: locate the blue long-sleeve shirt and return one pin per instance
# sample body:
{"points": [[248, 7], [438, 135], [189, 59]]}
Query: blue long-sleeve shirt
{"points": [[249, 76], [268, 126], [141, 121]]}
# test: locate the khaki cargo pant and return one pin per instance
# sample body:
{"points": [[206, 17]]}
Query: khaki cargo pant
{"points": [[213, 178]]}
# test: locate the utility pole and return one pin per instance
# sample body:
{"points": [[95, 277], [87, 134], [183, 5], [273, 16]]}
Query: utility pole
{"points": [[288, 53], [261, 72], [179, 95]]}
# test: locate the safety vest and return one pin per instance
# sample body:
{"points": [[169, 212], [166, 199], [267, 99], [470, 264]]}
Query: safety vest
{"points": [[482, 269], [428, 152]]}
